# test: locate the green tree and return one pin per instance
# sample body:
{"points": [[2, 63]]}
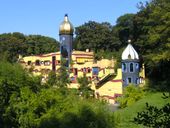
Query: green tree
{"points": [[125, 28], [50, 108], [131, 94], [85, 90], [152, 38], [62, 77], [13, 44], [52, 78], [93, 35], [12, 78]]}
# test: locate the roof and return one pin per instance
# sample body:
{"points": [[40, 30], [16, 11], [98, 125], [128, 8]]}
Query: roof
{"points": [[129, 53]]}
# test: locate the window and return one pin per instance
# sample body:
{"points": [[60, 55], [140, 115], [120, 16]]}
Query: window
{"points": [[80, 60], [129, 80], [88, 70], [95, 70], [47, 62], [124, 67], [84, 70], [72, 78], [53, 63], [37, 62], [131, 67], [137, 80], [75, 71], [29, 62], [137, 66]]}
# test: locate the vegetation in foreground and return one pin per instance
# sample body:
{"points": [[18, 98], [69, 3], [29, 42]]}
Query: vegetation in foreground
{"points": [[128, 116], [27, 103]]}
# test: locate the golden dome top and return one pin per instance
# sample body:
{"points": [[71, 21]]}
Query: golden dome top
{"points": [[66, 27]]}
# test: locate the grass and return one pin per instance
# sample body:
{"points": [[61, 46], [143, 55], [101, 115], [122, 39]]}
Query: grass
{"points": [[124, 117]]}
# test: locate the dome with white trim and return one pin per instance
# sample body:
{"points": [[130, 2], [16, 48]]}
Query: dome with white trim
{"points": [[129, 53]]}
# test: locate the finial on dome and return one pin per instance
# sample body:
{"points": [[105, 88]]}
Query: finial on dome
{"points": [[129, 41]]}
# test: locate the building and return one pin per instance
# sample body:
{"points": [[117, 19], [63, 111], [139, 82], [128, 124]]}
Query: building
{"points": [[66, 40], [106, 83], [130, 65]]}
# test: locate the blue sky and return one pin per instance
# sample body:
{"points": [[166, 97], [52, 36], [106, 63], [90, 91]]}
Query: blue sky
{"points": [[44, 16]]}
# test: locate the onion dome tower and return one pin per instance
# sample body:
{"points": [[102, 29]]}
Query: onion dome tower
{"points": [[130, 65], [66, 39]]}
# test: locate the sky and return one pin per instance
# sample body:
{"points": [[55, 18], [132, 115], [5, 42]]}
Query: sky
{"points": [[43, 17]]}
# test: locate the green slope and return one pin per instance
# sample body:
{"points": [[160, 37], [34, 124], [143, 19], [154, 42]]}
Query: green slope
{"points": [[124, 117]]}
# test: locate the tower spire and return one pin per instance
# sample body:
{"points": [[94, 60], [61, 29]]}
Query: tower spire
{"points": [[66, 39]]}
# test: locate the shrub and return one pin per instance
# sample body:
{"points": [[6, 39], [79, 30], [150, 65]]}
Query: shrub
{"points": [[131, 94]]}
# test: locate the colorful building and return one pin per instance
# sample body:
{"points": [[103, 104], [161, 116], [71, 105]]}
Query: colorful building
{"points": [[106, 83]]}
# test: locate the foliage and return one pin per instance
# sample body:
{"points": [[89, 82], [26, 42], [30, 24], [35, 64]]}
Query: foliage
{"points": [[85, 90], [50, 108], [12, 78], [103, 38], [93, 35], [13, 44], [62, 76], [125, 28], [52, 78], [125, 117], [25, 104], [131, 94], [154, 117], [59, 78], [152, 37]]}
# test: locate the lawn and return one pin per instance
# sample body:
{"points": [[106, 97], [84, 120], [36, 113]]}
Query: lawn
{"points": [[124, 117]]}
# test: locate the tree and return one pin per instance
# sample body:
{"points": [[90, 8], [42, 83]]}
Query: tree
{"points": [[93, 35], [62, 75], [52, 78], [152, 38], [125, 28], [13, 44], [49, 108], [131, 94], [85, 90], [12, 78]]}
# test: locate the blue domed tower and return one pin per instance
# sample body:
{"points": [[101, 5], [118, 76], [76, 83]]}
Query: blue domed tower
{"points": [[130, 65], [66, 39]]}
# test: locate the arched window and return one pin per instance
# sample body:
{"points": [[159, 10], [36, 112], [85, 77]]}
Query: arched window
{"points": [[131, 67], [137, 66], [124, 67]]}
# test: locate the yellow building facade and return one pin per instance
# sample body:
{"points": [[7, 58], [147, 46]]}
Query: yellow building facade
{"points": [[105, 82]]}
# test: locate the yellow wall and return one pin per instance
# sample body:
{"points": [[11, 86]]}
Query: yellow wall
{"points": [[110, 88], [82, 60]]}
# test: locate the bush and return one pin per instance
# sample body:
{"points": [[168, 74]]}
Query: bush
{"points": [[131, 94]]}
